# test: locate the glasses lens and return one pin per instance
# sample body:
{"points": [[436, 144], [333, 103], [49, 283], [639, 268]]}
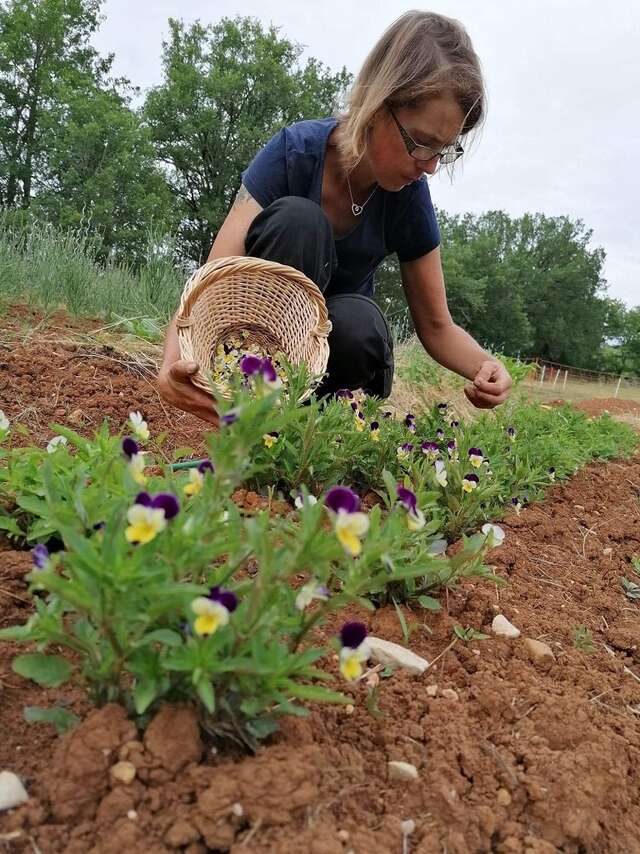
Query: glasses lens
{"points": [[421, 152], [450, 156]]}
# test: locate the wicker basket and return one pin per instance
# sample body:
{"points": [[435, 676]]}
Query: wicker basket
{"points": [[279, 308]]}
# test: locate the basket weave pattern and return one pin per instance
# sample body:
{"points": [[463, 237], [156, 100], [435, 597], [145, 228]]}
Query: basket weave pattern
{"points": [[278, 306]]}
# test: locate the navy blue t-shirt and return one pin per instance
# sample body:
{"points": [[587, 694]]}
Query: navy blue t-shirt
{"points": [[404, 222]]}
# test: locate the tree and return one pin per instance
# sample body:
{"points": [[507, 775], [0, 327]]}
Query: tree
{"points": [[43, 43], [227, 88]]}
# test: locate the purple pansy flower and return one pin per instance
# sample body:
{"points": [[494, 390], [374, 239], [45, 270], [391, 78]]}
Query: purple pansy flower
{"points": [[345, 394], [40, 556], [387, 414], [162, 501], [250, 365], [226, 598], [470, 482], [442, 408], [374, 425], [342, 499], [440, 433], [407, 498], [353, 634], [205, 466], [230, 416], [268, 371], [130, 447], [430, 448], [511, 433]]}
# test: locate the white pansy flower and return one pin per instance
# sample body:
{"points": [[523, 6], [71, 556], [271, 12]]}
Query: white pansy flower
{"points": [[494, 534], [55, 442], [139, 426]]}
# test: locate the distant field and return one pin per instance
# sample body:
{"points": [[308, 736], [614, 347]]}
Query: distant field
{"points": [[578, 390]]}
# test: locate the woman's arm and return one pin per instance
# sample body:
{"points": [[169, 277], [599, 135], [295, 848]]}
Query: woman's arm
{"points": [[446, 342], [174, 377]]}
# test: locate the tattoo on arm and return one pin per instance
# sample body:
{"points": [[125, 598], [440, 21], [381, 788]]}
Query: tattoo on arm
{"points": [[243, 195]]}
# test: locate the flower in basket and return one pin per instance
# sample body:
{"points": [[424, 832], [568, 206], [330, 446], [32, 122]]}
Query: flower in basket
{"points": [[475, 457], [135, 459], [213, 611], [470, 482], [269, 439], [375, 431], [441, 472], [269, 375], [149, 515], [139, 426], [350, 524], [354, 649], [415, 516], [309, 592]]}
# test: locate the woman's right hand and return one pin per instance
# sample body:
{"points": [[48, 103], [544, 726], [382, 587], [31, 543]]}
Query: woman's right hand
{"points": [[176, 388]]}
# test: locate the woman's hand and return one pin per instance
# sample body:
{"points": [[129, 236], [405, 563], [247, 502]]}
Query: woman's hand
{"points": [[176, 388], [491, 385]]}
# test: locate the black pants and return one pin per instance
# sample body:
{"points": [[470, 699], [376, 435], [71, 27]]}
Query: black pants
{"points": [[295, 231]]}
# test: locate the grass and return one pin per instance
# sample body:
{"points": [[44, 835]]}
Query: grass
{"points": [[580, 390], [54, 268]]}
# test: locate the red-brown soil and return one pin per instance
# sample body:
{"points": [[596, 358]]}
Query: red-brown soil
{"points": [[519, 758]]}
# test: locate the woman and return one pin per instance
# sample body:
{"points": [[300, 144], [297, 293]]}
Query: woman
{"points": [[334, 197]]}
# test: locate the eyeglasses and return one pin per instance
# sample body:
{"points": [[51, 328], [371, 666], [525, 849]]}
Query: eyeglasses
{"points": [[447, 154]]}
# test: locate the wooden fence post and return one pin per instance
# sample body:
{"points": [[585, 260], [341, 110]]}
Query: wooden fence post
{"points": [[618, 386], [544, 368], [564, 382]]}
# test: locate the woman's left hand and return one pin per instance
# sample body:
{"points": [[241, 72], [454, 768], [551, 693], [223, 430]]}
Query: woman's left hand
{"points": [[491, 385]]}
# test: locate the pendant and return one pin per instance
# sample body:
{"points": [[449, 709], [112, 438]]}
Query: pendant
{"points": [[356, 210]]}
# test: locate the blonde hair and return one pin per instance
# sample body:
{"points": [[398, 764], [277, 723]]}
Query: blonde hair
{"points": [[421, 55]]}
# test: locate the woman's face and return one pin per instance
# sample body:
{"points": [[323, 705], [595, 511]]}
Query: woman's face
{"points": [[435, 123]]}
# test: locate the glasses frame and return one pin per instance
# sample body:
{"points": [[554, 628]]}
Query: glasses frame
{"points": [[450, 152]]}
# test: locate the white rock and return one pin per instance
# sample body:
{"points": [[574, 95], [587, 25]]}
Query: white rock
{"points": [[12, 792], [386, 652], [402, 771], [432, 690], [449, 694], [501, 626], [123, 772]]}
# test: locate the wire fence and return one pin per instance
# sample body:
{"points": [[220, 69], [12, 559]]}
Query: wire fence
{"points": [[555, 375]]}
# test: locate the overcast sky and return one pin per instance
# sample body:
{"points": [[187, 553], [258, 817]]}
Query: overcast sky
{"points": [[563, 76]]}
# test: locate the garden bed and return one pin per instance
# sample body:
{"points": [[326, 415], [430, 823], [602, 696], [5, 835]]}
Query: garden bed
{"points": [[512, 755]]}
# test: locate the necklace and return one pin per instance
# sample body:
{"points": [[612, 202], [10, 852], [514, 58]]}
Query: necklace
{"points": [[356, 210]]}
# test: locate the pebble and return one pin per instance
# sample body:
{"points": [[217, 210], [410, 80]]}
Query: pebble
{"points": [[449, 694], [12, 792], [538, 651], [402, 770], [123, 772], [132, 814], [237, 809], [503, 798], [349, 709], [431, 690], [607, 551], [386, 652], [502, 627], [407, 827], [343, 835]]}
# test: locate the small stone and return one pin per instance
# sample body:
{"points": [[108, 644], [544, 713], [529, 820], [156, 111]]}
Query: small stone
{"points": [[237, 809], [180, 834], [123, 772], [343, 835], [431, 690], [77, 417], [132, 814], [130, 747], [538, 651], [502, 627], [449, 694], [386, 652], [503, 798], [402, 771], [578, 507], [349, 709], [607, 551], [12, 792]]}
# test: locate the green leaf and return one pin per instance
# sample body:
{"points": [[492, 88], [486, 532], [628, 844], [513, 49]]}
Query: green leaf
{"points": [[205, 692], [165, 636], [144, 694], [62, 719], [316, 693], [48, 670], [262, 727], [16, 633], [11, 526], [429, 603]]}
